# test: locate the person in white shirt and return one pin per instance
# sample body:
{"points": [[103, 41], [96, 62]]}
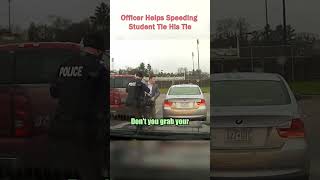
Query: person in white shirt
{"points": [[152, 95]]}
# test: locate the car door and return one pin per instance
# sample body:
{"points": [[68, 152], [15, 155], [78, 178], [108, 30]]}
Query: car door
{"points": [[6, 77]]}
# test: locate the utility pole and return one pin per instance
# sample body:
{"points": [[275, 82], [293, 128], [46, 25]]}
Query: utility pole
{"points": [[267, 17], [9, 6], [198, 53], [198, 58], [267, 27], [112, 66], [284, 37], [192, 62], [284, 22]]}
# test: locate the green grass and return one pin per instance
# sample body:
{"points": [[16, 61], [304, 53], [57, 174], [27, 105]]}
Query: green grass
{"points": [[204, 90], [163, 90], [306, 87]]}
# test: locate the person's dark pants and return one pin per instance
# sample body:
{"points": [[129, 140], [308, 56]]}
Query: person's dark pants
{"points": [[137, 111], [150, 111], [67, 156], [73, 147]]}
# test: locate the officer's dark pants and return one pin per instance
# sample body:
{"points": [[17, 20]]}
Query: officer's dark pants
{"points": [[68, 156], [150, 111], [137, 112], [70, 148]]}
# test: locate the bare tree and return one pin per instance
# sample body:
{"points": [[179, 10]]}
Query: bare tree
{"points": [[230, 27]]}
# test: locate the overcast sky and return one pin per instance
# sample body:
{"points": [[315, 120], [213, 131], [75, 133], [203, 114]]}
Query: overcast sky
{"points": [[302, 14], [165, 50], [25, 11]]}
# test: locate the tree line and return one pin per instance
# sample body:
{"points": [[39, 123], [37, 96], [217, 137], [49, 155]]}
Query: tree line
{"points": [[64, 30], [147, 70], [230, 30]]}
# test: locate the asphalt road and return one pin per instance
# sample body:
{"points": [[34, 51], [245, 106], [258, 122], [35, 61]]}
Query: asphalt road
{"points": [[311, 108], [159, 108]]}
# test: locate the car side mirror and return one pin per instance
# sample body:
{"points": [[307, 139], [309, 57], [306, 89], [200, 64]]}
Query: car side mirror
{"points": [[298, 96]]}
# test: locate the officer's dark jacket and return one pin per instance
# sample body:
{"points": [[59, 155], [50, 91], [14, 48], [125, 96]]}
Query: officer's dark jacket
{"points": [[81, 87], [136, 90]]}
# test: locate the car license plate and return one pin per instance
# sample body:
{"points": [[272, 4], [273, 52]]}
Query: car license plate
{"points": [[185, 105], [235, 135]]}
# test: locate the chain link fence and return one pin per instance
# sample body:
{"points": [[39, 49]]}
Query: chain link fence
{"points": [[294, 62]]}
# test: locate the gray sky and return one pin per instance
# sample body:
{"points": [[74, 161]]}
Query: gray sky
{"points": [[302, 14], [164, 50], [167, 55], [38, 10]]}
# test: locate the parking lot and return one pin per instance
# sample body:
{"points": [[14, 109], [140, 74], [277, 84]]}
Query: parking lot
{"points": [[159, 108], [310, 107]]}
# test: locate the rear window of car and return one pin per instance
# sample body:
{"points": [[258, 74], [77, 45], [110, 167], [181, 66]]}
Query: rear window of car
{"points": [[250, 93], [119, 82], [40, 65], [6, 67], [184, 91]]}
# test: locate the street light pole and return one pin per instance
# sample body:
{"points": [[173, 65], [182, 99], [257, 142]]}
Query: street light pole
{"points": [[267, 17], [284, 35], [284, 22], [198, 58], [192, 62], [9, 6], [198, 53]]}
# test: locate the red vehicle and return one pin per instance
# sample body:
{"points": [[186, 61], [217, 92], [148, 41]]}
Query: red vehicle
{"points": [[118, 95], [25, 103]]}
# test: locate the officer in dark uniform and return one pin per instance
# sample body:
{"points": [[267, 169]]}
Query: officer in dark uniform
{"points": [[136, 99], [79, 132]]}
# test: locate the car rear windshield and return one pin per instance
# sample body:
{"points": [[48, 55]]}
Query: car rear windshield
{"points": [[184, 91], [119, 82], [41, 65], [6, 67], [249, 93]]}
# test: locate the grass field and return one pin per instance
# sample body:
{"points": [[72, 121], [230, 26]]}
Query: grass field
{"points": [[204, 90], [306, 87]]}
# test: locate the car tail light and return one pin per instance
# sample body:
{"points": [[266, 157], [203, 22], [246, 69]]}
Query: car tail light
{"points": [[167, 103], [202, 102], [296, 129], [117, 101], [90, 50], [115, 98], [28, 45], [123, 99], [22, 114]]}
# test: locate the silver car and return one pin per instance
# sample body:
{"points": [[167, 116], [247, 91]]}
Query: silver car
{"points": [[257, 128], [185, 101]]}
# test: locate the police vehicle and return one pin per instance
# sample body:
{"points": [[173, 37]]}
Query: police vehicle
{"points": [[25, 103]]}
